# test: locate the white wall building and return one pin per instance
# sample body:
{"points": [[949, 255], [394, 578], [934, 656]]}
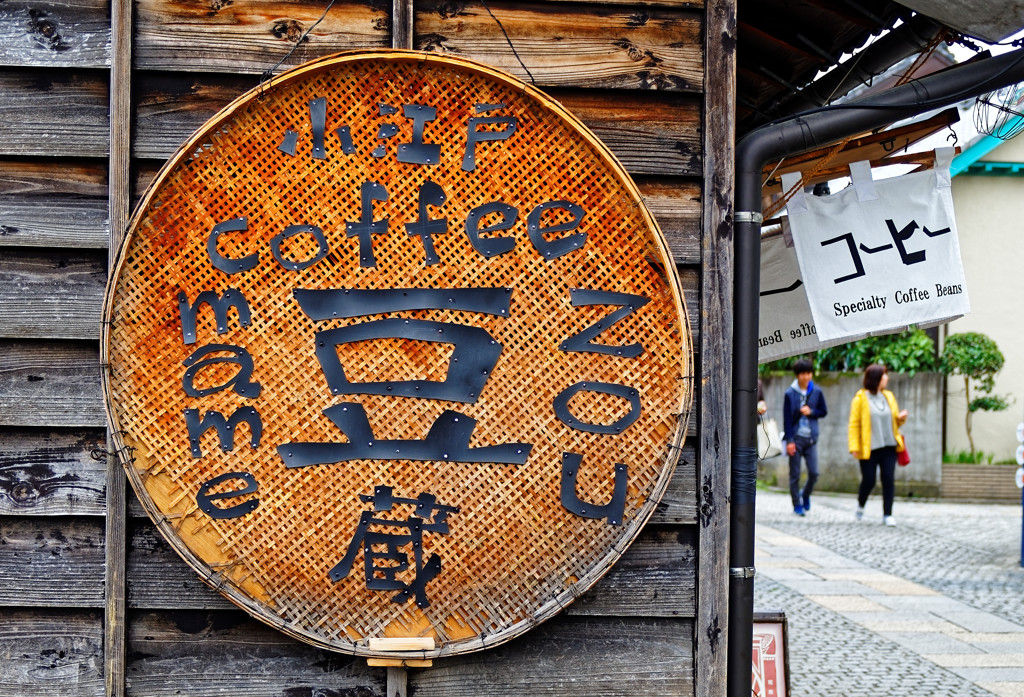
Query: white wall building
{"points": [[988, 196]]}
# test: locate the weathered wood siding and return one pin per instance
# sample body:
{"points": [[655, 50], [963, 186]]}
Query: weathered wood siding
{"points": [[92, 601]]}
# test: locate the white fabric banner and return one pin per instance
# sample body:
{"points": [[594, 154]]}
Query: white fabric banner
{"points": [[879, 255], [786, 327]]}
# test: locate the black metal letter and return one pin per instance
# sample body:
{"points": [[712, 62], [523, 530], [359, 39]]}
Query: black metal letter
{"points": [[447, 440], [240, 383], [225, 427], [366, 227], [430, 195], [219, 303], [490, 247], [291, 231], [332, 303], [221, 262], [417, 152], [475, 355], [344, 134], [206, 499], [474, 136], [289, 142], [561, 405], [583, 341], [318, 117], [563, 245], [384, 541], [612, 511]]}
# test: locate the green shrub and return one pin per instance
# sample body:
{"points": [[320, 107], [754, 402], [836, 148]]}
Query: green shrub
{"points": [[908, 352], [966, 457], [975, 357]]}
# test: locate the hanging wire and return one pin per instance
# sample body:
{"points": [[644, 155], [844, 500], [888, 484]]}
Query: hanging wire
{"points": [[849, 72], [269, 74], [997, 113], [965, 41], [772, 173], [510, 44], [971, 42], [906, 77], [100, 454], [923, 104]]}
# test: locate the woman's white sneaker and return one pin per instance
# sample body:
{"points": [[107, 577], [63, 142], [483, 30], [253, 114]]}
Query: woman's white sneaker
{"points": [[888, 520]]}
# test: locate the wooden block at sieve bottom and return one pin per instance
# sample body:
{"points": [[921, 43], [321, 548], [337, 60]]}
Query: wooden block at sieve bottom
{"points": [[401, 644]]}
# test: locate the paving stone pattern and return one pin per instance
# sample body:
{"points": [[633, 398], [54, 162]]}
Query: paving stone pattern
{"points": [[831, 656], [933, 606]]}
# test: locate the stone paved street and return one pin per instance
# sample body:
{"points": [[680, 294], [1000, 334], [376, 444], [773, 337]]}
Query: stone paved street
{"points": [[933, 606]]}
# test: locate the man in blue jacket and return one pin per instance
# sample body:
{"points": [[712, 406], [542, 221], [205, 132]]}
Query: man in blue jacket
{"points": [[804, 404]]}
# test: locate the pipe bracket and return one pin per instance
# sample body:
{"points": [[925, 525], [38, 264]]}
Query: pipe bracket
{"points": [[742, 572], [748, 217]]}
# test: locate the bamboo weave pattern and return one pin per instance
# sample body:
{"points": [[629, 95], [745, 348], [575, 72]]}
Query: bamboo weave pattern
{"points": [[512, 555]]}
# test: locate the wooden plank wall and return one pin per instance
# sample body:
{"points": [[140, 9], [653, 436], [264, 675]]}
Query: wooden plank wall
{"points": [[79, 78]]}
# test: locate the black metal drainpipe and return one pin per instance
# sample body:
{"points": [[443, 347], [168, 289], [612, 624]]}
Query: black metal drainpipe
{"points": [[770, 143]]}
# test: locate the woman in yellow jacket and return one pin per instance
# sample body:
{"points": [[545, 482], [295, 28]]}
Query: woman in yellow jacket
{"points": [[875, 437]]}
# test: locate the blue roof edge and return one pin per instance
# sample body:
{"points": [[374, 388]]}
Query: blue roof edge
{"points": [[979, 149]]}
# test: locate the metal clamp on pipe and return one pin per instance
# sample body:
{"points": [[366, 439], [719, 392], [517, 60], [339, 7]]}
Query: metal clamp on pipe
{"points": [[748, 217], [742, 571]]}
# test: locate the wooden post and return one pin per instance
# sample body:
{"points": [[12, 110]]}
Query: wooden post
{"points": [[118, 202], [401, 24], [716, 350], [398, 682], [398, 678]]}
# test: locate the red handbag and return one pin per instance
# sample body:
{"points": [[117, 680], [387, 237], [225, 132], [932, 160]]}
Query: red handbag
{"points": [[903, 458]]}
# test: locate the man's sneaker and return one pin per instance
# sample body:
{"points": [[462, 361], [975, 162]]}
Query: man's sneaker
{"points": [[799, 510], [860, 513], [887, 520], [806, 499]]}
